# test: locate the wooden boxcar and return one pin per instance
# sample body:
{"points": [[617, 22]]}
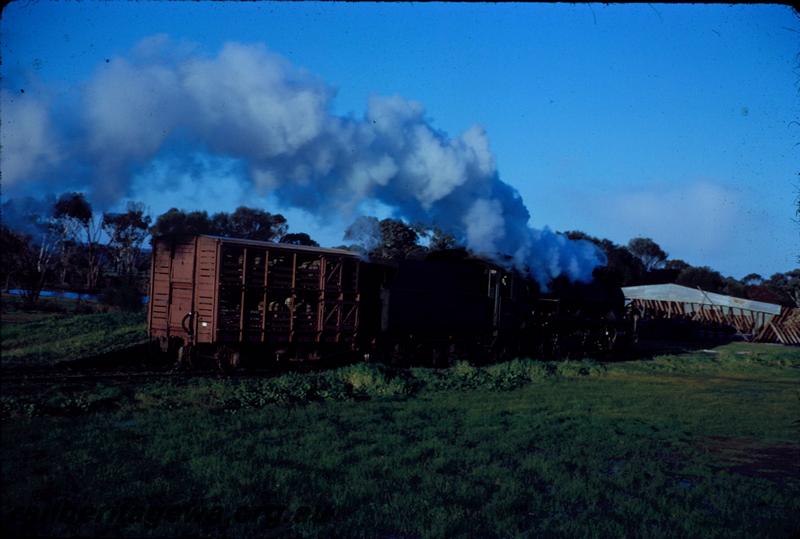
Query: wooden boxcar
{"points": [[217, 295]]}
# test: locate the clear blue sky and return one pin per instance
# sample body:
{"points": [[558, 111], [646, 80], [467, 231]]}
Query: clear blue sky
{"points": [[670, 121]]}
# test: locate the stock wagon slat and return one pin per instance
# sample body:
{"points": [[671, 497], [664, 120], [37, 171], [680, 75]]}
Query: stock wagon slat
{"points": [[210, 290]]}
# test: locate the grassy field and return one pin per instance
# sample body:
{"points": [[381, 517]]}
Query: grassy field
{"points": [[55, 332], [697, 444], [689, 446]]}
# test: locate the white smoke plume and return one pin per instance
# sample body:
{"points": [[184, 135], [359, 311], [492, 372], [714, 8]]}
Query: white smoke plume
{"points": [[26, 138], [248, 103]]}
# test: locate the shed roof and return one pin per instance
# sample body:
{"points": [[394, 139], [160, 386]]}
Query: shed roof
{"points": [[683, 294]]}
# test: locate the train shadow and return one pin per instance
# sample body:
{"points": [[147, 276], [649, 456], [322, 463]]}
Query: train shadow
{"points": [[650, 348], [676, 336]]}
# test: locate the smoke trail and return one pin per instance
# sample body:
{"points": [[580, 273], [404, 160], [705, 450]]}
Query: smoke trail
{"points": [[251, 104], [26, 138]]}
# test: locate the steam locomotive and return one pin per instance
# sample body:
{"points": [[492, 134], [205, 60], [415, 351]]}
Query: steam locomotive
{"points": [[242, 301]]}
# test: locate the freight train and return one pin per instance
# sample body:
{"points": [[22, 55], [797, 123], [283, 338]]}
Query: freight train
{"points": [[238, 301]]}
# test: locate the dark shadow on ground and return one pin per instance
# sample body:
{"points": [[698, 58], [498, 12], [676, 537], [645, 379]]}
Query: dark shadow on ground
{"points": [[672, 337], [650, 348], [134, 357]]}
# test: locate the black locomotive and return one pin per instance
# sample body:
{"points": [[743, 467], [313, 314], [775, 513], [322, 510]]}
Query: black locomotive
{"points": [[451, 306]]}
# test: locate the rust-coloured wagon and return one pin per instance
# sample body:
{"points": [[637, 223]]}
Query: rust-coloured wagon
{"points": [[214, 294]]}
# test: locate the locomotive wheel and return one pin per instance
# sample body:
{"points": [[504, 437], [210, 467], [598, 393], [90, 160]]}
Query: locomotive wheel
{"points": [[437, 357], [612, 339], [397, 356]]}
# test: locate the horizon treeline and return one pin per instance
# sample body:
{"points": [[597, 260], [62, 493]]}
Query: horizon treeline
{"points": [[62, 243]]}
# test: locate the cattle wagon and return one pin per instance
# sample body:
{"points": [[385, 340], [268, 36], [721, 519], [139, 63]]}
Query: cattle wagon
{"points": [[215, 296]]}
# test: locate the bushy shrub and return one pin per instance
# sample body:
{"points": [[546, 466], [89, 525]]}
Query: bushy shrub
{"points": [[122, 295], [433, 379], [539, 370], [292, 387], [373, 381], [288, 388], [585, 367], [501, 376], [509, 375], [466, 375], [362, 378], [331, 387], [354, 381]]}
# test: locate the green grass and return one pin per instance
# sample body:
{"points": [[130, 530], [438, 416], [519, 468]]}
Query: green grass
{"points": [[43, 338], [690, 445]]}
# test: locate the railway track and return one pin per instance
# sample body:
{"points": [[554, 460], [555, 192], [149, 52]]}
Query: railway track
{"points": [[66, 376], [57, 374]]}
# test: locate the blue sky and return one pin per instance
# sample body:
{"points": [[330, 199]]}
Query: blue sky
{"points": [[670, 121]]}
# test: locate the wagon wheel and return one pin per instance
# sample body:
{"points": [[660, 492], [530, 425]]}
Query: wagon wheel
{"points": [[227, 358], [186, 356], [163, 344], [555, 345], [157, 348]]}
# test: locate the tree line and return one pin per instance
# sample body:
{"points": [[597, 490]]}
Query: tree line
{"points": [[67, 245], [643, 261]]}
